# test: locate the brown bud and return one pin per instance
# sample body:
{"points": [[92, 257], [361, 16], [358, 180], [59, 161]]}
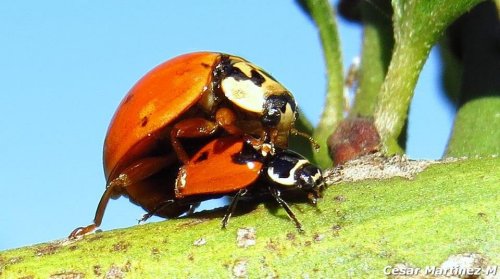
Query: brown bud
{"points": [[353, 138]]}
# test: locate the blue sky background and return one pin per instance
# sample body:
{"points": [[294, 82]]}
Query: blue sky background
{"points": [[65, 66]]}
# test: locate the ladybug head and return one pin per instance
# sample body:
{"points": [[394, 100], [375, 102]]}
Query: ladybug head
{"points": [[310, 179], [289, 170], [279, 115]]}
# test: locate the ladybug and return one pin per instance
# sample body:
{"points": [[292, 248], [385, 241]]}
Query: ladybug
{"points": [[229, 167], [175, 109], [226, 166], [198, 95]]}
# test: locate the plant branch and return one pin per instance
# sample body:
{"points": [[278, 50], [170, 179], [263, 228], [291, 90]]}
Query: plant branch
{"points": [[378, 42], [324, 17], [359, 228], [417, 27]]}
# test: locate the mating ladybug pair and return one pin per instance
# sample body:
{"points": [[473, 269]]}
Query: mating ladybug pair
{"points": [[200, 126]]}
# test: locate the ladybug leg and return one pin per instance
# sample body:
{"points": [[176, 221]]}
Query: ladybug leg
{"points": [[277, 195], [200, 127], [232, 207], [192, 208], [111, 188], [261, 144], [137, 172], [226, 119], [190, 128], [163, 205], [158, 208]]}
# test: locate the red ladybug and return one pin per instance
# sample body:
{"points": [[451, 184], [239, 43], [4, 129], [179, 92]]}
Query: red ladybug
{"points": [[225, 167], [228, 166], [194, 95], [174, 110]]}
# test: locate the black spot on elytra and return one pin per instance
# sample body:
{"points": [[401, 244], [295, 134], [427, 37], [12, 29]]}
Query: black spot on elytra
{"points": [[205, 65], [128, 98], [144, 121], [202, 157]]}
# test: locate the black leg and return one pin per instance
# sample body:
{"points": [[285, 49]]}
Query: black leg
{"points": [[159, 207], [192, 208], [277, 195], [232, 207]]}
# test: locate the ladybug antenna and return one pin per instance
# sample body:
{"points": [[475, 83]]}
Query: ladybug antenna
{"points": [[308, 137]]}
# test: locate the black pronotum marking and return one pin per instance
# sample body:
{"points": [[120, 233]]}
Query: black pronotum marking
{"points": [[274, 106], [283, 163], [227, 69], [257, 78]]}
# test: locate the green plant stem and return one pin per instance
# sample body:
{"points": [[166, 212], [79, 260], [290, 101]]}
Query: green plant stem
{"points": [[324, 17], [417, 27], [378, 42], [396, 93], [476, 131]]}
